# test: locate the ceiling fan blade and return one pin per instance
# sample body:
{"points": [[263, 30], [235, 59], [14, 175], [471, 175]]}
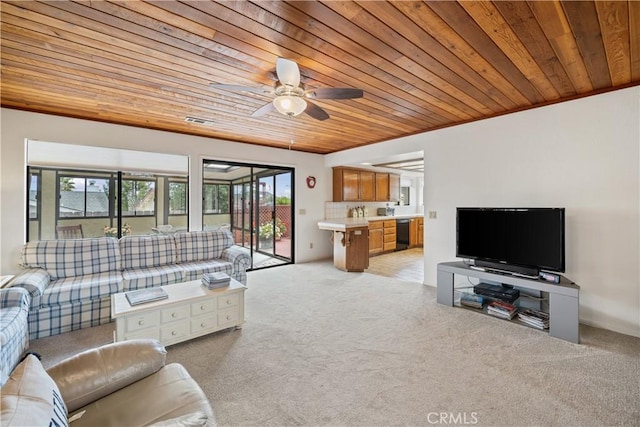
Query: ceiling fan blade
{"points": [[334, 93], [265, 109], [288, 72], [316, 112], [236, 88]]}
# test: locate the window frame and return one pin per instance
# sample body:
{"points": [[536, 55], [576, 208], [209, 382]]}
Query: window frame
{"points": [[86, 175], [38, 176], [185, 183], [217, 185], [154, 180]]}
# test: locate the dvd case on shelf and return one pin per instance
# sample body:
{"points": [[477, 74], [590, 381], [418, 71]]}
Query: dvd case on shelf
{"points": [[502, 309], [537, 319], [471, 300]]}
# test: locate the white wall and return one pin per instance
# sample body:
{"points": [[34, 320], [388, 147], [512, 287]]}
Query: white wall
{"points": [[19, 125], [583, 155]]}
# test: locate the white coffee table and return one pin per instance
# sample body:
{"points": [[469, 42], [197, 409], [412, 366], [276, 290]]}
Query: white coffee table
{"points": [[190, 311]]}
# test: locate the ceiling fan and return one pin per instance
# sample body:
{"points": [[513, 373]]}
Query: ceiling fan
{"points": [[291, 96]]}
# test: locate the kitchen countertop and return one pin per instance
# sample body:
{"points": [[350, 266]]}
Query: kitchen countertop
{"points": [[342, 224]]}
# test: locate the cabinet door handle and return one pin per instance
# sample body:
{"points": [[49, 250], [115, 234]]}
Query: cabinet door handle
{"points": [[140, 322], [174, 314], [174, 333], [202, 325], [202, 307], [228, 301], [228, 317]]}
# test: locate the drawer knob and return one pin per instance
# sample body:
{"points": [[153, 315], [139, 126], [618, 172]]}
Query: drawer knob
{"points": [[228, 301], [140, 322], [174, 314], [202, 325], [228, 317], [174, 333], [202, 307]]}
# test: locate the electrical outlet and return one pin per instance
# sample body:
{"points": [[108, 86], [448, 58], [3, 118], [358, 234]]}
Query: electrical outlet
{"points": [[433, 215], [311, 245]]}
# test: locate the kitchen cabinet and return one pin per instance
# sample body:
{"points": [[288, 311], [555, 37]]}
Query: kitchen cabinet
{"points": [[376, 237], [413, 232], [350, 249], [382, 236], [394, 187], [353, 185], [382, 187], [360, 185], [416, 230], [389, 235]]}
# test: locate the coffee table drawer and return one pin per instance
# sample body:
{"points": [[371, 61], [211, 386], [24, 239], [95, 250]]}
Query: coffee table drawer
{"points": [[203, 323], [203, 307], [174, 331], [228, 301], [174, 313], [228, 316], [143, 320]]}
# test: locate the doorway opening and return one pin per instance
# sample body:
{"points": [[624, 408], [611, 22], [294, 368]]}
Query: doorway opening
{"points": [[255, 202]]}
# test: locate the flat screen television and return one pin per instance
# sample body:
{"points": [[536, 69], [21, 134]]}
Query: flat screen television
{"points": [[517, 240]]}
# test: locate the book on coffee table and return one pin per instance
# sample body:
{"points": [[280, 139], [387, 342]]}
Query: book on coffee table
{"points": [[215, 280], [141, 296]]}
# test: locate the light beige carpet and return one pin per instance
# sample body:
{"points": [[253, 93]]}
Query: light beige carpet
{"points": [[324, 347]]}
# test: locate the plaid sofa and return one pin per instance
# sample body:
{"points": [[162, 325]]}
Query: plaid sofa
{"points": [[71, 281], [14, 329], [200, 252]]}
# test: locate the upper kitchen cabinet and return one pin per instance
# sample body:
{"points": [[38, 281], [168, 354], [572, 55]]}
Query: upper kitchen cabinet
{"points": [[382, 187], [394, 187], [360, 185], [353, 185]]}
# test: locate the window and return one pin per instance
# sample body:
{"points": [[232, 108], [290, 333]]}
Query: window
{"points": [[216, 198], [177, 198], [138, 197], [83, 196], [34, 194]]}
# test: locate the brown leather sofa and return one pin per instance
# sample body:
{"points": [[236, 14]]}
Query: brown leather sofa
{"points": [[121, 384]]}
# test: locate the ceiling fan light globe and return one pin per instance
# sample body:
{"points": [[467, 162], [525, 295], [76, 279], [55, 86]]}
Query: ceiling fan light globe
{"points": [[290, 105]]}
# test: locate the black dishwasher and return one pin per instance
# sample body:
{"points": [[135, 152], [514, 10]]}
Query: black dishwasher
{"points": [[402, 234]]}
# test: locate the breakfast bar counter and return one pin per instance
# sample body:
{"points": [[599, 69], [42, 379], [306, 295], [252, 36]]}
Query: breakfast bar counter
{"points": [[350, 239], [341, 224]]}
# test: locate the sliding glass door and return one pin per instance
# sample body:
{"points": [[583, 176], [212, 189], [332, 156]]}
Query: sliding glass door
{"points": [[273, 208], [261, 205]]}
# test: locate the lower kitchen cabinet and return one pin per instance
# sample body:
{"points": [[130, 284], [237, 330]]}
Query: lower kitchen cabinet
{"points": [[376, 237], [389, 228], [416, 232]]}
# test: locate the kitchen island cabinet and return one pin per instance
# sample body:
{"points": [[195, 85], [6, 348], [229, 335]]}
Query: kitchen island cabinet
{"points": [[350, 243]]}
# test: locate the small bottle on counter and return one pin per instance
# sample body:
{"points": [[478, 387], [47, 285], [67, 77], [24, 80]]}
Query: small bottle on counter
{"points": [[365, 211]]}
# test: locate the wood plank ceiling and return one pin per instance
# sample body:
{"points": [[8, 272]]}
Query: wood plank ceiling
{"points": [[422, 65]]}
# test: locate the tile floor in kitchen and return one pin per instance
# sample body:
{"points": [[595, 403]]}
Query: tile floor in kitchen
{"points": [[405, 265]]}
